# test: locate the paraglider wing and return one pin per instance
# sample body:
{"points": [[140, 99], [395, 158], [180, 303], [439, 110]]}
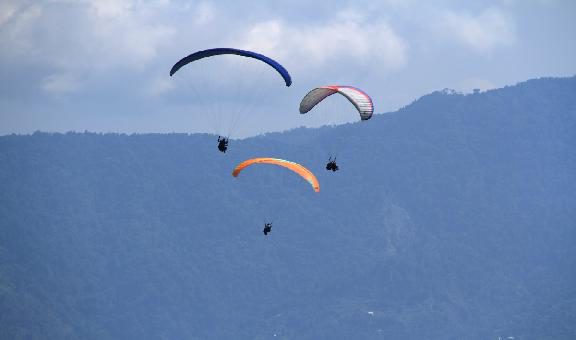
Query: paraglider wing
{"points": [[314, 97], [357, 97], [297, 168], [219, 51]]}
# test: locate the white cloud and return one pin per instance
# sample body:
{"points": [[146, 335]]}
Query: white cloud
{"points": [[482, 33], [18, 22], [160, 85], [112, 8], [88, 34], [204, 13], [127, 43], [60, 84], [347, 35], [8, 9]]}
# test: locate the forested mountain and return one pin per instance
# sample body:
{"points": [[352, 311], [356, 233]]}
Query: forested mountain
{"points": [[451, 218]]}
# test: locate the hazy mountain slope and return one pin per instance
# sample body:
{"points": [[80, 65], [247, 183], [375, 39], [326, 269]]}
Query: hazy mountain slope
{"points": [[453, 218]]}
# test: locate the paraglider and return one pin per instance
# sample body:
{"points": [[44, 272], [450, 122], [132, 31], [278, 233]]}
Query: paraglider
{"points": [[297, 168], [222, 144], [225, 121], [361, 101], [267, 228], [357, 97], [331, 165]]}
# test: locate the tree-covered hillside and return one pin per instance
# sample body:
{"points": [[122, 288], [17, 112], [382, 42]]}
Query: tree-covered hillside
{"points": [[452, 218]]}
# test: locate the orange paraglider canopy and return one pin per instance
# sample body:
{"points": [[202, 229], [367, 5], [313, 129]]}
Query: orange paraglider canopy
{"points": [[297, 168]]}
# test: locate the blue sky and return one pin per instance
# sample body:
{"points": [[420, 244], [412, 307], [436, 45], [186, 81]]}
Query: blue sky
{"points": [[102, 65]]}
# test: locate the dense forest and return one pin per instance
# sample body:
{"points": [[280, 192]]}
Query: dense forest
{"points": [[451, 218]]}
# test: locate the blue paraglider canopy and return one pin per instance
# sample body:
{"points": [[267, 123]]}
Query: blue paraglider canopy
{"points": [[219, 51]]}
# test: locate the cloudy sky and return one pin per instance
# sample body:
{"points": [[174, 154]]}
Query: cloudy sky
{"points": [[103, 65]]}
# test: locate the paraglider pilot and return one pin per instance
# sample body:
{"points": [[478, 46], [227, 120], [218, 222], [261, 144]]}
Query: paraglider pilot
{"points": [[331, 165], [267, 228], [222, 144]]}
